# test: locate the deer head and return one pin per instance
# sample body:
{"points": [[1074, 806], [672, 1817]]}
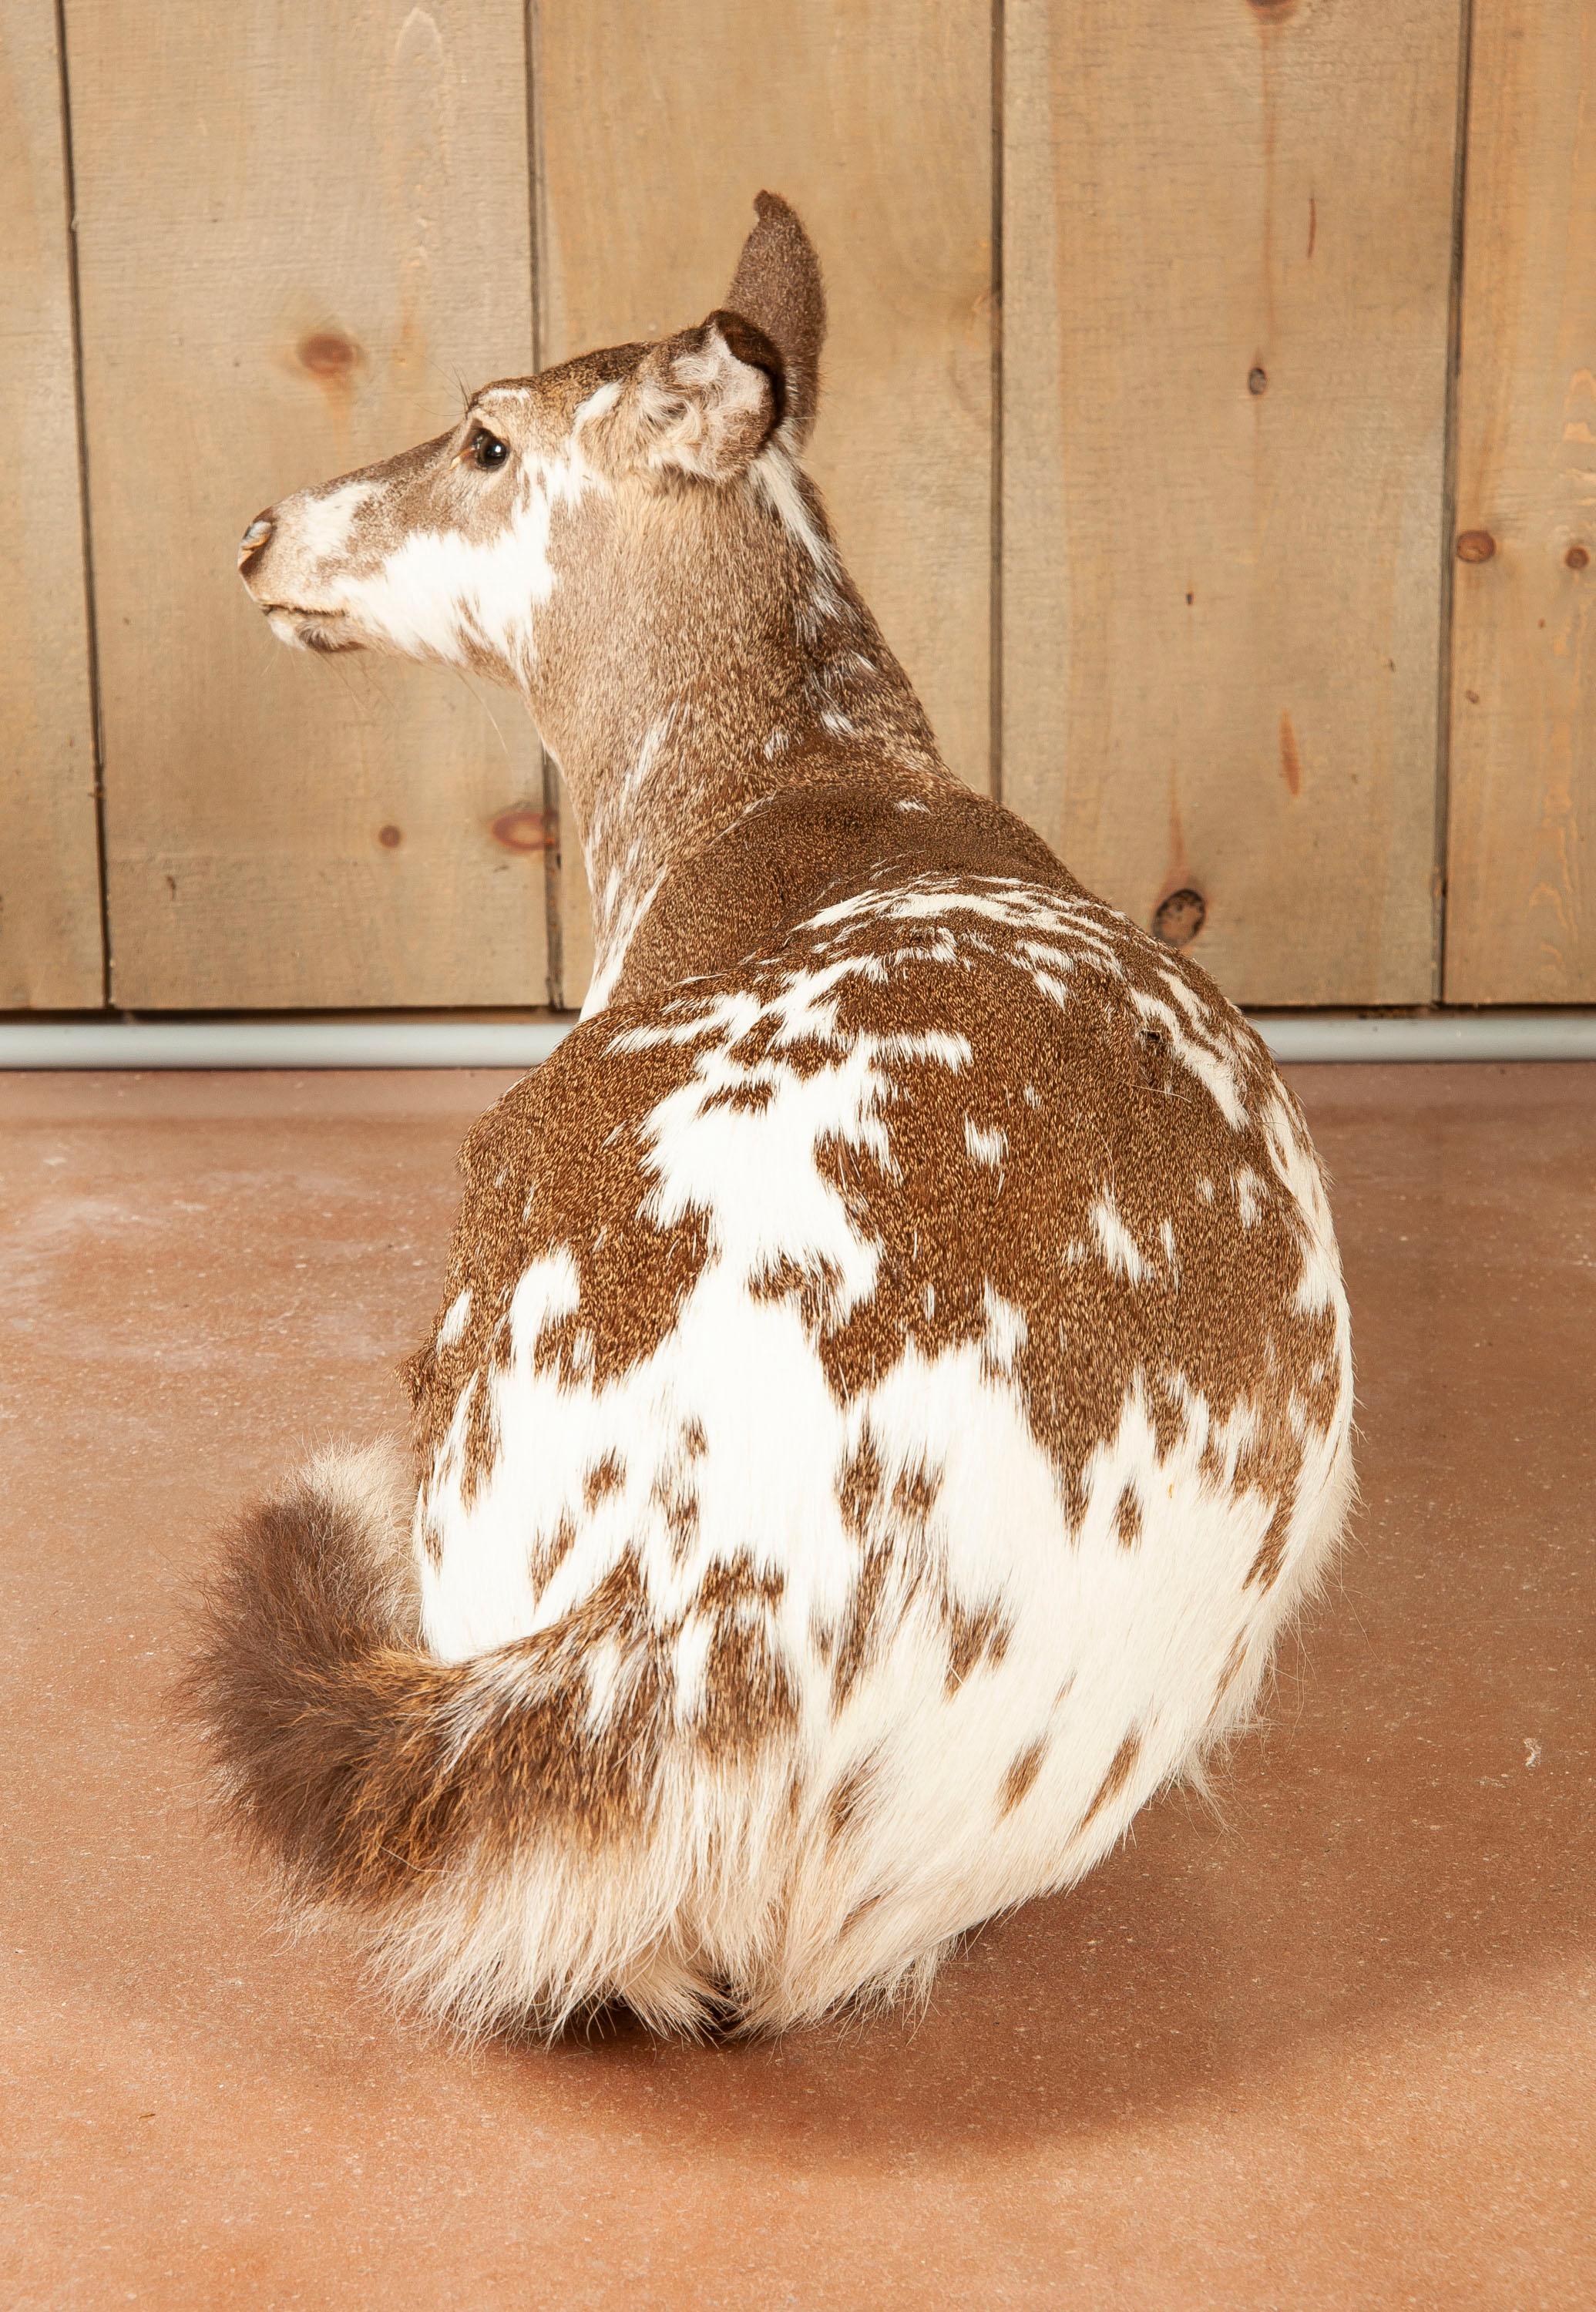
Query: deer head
{"points": [[459, 549], [629, 539]]}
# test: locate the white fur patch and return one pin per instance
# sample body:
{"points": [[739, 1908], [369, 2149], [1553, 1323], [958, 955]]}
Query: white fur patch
{"points": [[323, 520], [441, 591], [986, 1144], [612, 954], [775, 477], [1119, 1248]]}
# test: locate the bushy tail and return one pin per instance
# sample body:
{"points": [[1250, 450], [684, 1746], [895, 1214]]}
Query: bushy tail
{"points": [[461, 1809]]}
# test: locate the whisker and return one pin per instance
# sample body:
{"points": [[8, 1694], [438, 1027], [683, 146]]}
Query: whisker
{"points": [[487, 710]]}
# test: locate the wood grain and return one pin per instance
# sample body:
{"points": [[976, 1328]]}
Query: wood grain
{"points": [[1521, 925], [298, 229], [1227, 242], [657, 127], [49, 870]]}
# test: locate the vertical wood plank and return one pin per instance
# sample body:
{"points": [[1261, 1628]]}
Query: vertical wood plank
{"points": [[1227, 250], [658, 126], [298, 229], [49, 868], [1521, 923]]}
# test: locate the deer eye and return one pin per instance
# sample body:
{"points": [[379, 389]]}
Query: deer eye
{"points": [[487, 451]]}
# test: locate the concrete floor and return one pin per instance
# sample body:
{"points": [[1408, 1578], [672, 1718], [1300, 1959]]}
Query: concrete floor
{"points": [[1336, 2049]]}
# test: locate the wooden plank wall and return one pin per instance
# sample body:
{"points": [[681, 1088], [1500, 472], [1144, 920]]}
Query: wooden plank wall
{"points": [[1227, 275], [1141, 431], [293, 225], [49, 872], [1522, 853]]}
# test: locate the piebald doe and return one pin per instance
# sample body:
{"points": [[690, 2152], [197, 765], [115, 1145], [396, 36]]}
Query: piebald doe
{"points": [[892, 1380]]}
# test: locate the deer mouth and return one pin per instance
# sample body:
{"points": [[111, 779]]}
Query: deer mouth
{"points": [[316, 630]]}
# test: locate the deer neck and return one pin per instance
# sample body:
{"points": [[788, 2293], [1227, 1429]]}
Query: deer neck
{"points": [[712, 652]]}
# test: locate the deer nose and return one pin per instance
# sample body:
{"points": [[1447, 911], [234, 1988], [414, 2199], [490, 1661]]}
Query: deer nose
{"points": [[254, 538]]}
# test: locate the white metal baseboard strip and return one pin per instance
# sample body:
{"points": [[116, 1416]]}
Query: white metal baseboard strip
{"points": [[235, 1043], [1429, 1036], [279, 1042]]}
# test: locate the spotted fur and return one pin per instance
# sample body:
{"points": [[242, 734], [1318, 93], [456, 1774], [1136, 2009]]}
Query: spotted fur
{"points": [[892, 1380]]}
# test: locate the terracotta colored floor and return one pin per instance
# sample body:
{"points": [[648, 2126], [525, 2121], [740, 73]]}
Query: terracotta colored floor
{"points": [[1336, 2049]]}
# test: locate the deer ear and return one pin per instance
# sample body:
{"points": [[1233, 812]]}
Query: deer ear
{"points": [[708, 400], [777, 287]]}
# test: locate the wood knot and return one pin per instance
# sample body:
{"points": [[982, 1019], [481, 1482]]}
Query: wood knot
{"points": [[1272, 12], [1180, 917], [1476, 546], [1257, 381], [523, 829], [389, 838], [1577, 557], [329, 357]]}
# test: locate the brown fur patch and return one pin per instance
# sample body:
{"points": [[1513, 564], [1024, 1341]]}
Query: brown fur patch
{"points": [[812, 1283], [915, 1490], [1232, 1666], [749, 1694], [846, 1804], [749, 1098], [981, 1635], [559, 1168], [1264, 1569], [605, 1478], [1121, 1770], [548, 1555], [679, 1502], [1022, 1773]]}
